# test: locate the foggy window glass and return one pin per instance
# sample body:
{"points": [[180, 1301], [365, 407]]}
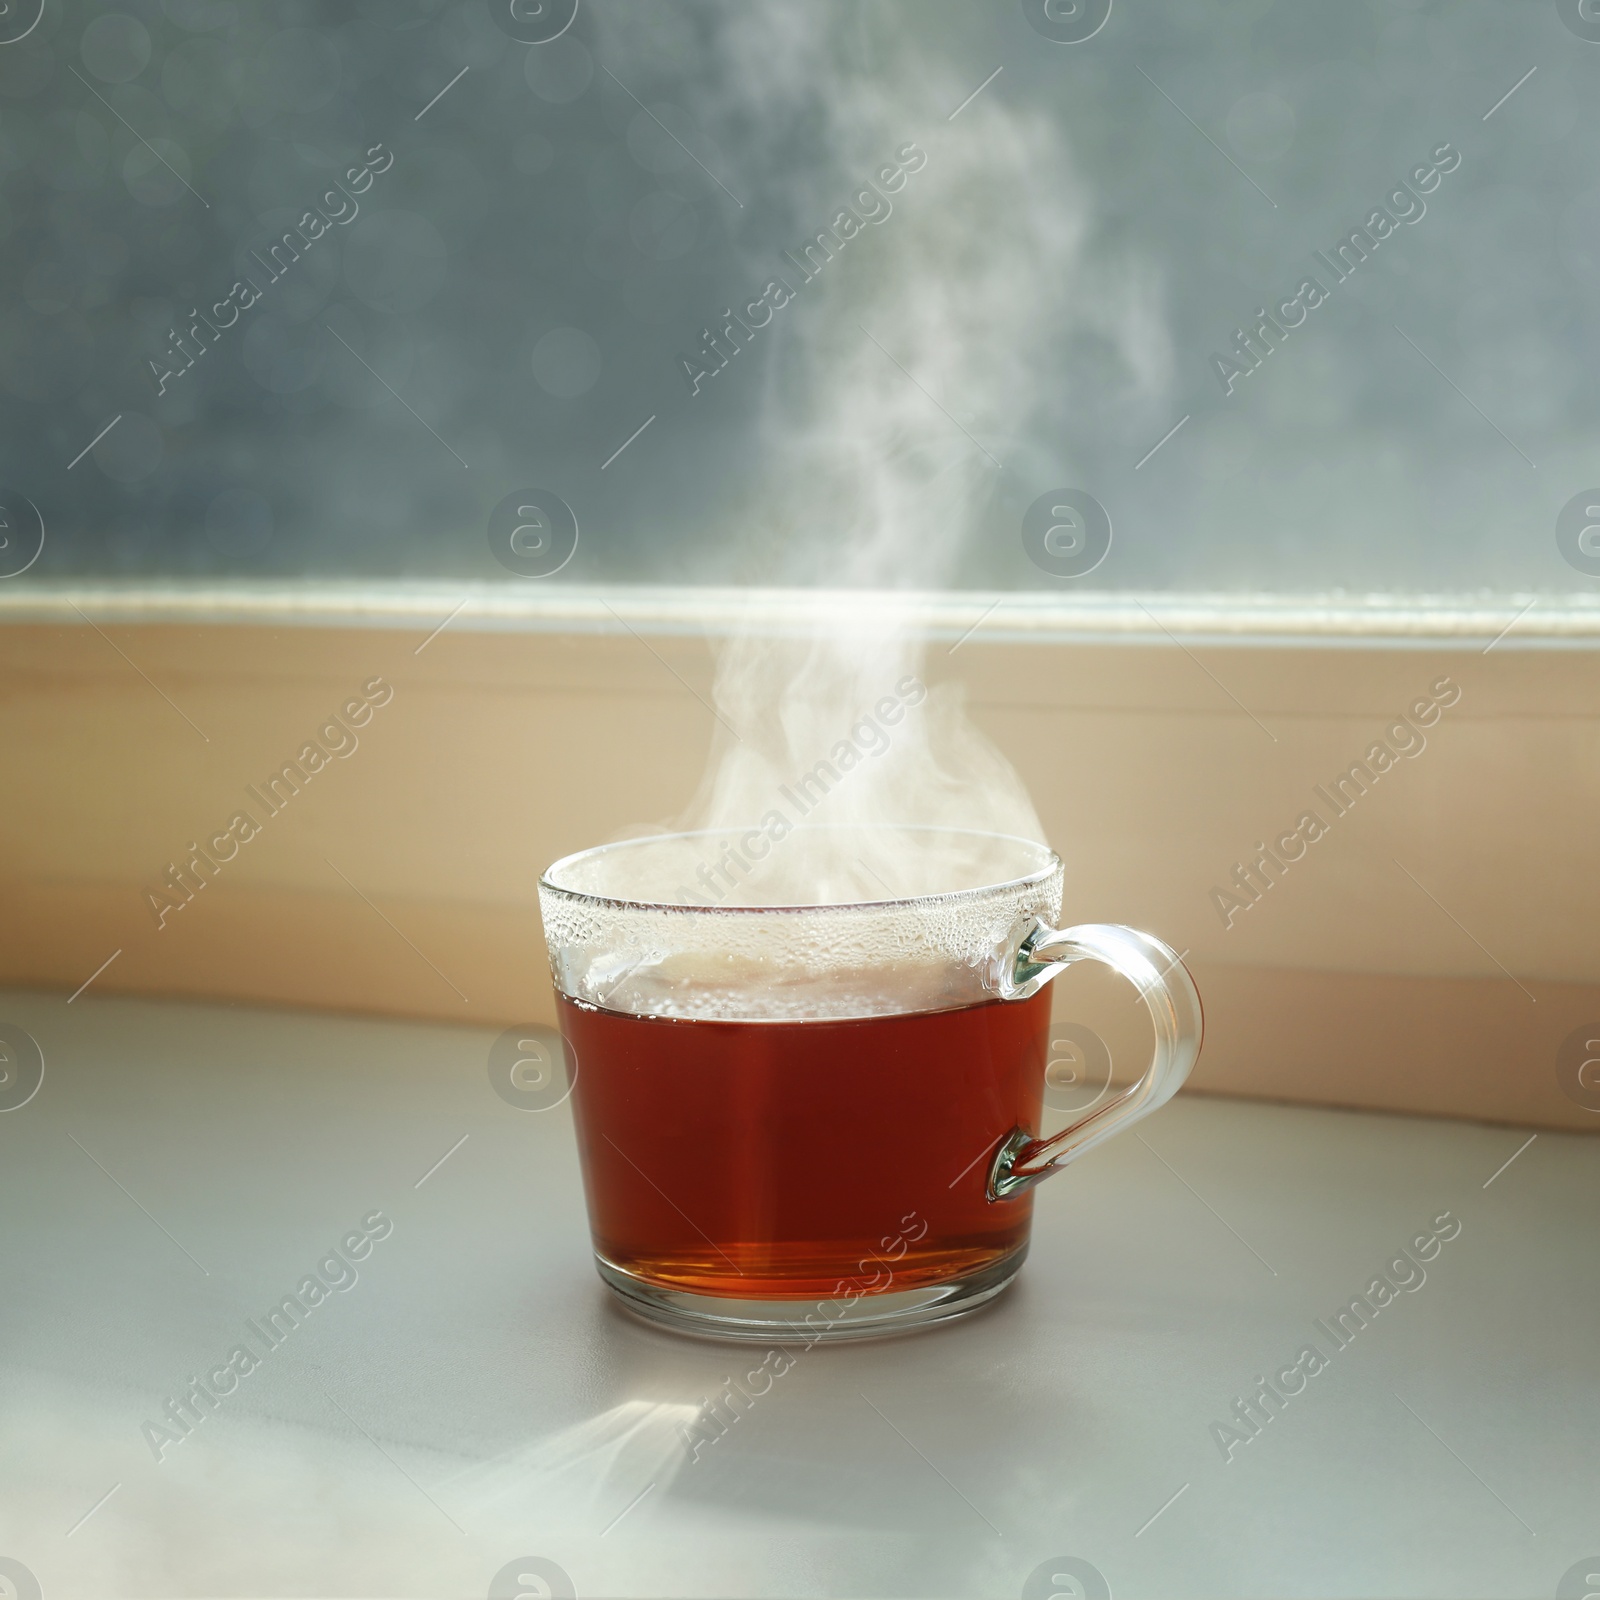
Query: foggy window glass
{"points": [[1199, 295]]}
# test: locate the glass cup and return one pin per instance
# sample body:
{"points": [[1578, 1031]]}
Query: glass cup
{"points": [[807, 1107]]}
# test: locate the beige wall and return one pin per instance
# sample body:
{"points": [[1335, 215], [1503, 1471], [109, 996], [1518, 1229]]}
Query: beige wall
{"points": [[1347, 984]]}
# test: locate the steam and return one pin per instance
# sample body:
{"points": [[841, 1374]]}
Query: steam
{"points": [[895, 392], [835, 762]]}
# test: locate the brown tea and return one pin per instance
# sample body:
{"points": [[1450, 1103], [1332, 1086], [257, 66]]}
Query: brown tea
{"points": [[804, 1160]]}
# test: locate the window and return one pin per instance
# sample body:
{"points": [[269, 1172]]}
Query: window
{"points": [[1293, 300]]}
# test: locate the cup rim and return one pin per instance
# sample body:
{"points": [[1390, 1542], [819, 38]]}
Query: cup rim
{"points": [[1052, 864]]}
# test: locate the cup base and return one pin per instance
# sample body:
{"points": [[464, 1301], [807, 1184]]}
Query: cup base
{"points": [[808, 1322]]}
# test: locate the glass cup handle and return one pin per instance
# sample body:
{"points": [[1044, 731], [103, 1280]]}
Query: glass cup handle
{"points": [[1168, 991]]}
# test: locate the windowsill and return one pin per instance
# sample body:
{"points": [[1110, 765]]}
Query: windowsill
{"points": [[480, 1348]]}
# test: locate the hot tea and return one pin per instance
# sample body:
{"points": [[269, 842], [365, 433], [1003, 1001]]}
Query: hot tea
{"points": [[807, 1114], [804, 1160]]}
